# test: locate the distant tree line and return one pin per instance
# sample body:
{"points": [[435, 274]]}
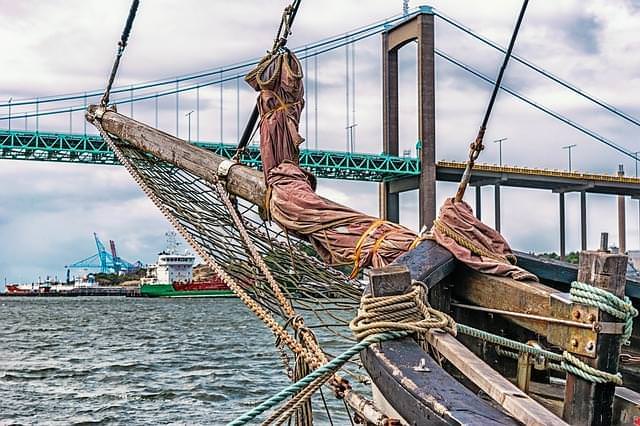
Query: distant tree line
{"points": [[571, 257]]}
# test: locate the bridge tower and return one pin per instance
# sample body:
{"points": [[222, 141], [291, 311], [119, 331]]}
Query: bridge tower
{"points": [[420, 29]]}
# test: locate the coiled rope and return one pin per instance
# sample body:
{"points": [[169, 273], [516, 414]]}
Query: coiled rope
{"points": [[379, 319], [405, 312], [384, 318], [608, 302]]}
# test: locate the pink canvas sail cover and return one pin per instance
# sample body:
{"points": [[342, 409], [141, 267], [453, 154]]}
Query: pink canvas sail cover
{"points": [[474, 243], [339, 234]]}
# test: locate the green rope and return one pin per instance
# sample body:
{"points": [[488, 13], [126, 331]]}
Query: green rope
{"points": [[571, 364], [329, 367], [508, 343], [568, 362], [608, 302], [580, 293]]}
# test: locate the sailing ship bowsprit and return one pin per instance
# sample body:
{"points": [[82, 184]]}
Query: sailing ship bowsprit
{"points": [[453, 327]]}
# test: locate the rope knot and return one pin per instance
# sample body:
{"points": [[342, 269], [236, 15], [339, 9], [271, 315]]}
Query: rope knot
{"points": [[405, 312]]}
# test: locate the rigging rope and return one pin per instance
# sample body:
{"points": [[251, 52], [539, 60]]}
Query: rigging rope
{"points": [[477, 147], [405, 312], [323, 372], [122, 44], [282, 35]]}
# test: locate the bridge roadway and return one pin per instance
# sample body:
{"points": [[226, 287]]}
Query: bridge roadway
{"points": [[401, 172]]}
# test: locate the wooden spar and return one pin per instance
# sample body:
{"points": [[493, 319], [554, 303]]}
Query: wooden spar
{"points": [[569, 324], [242, 181], [588, 403], [513, 400]]}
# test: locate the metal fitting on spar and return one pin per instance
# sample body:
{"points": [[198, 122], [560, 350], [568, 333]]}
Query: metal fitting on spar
{"points": [[96, 112]]}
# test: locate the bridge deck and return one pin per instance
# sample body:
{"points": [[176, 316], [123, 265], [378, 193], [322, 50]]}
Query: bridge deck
{"points": [[527, 177], [401, 172]]}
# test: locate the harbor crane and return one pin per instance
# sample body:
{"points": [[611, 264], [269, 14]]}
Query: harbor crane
{"points": [[104, 261]]}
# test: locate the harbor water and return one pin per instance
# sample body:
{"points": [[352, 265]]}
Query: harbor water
{"points": [[115, 360]]}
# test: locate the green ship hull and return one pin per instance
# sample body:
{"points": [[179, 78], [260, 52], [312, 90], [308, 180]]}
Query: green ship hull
{"points": [[167, 290]]}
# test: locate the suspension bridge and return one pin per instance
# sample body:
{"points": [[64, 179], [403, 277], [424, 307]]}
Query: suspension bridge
{"points": [[23, 137]]}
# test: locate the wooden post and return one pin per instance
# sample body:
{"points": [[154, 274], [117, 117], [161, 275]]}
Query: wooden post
{"points": [[588, 403], [389, 281], [523, 377]]}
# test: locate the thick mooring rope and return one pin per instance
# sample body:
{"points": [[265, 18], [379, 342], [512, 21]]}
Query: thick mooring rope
{"points": [[409, 312], [608, 302], [379, 319]]}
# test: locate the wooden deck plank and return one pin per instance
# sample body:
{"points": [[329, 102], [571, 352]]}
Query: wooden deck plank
{"points": [[513, 400]]}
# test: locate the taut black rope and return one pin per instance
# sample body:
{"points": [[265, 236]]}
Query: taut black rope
{"points": [[121, 45], [477, 146]]}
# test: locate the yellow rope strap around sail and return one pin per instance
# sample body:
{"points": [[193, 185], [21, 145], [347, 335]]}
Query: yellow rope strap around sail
{"points": [[282, 105], [470, 245], [358, 248]]}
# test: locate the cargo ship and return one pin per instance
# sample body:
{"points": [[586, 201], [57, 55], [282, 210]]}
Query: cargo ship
{"points": [[173, 276], [22, 288]]}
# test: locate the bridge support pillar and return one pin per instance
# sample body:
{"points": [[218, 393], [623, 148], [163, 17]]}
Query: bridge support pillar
{"points": [[496, 199], [479, 202], [622, 219], [562, 227], [583, 220], [389, 206], [420, 28]]}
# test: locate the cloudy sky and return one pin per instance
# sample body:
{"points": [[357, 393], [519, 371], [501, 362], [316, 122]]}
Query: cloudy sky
{"points": [[48, 211]]}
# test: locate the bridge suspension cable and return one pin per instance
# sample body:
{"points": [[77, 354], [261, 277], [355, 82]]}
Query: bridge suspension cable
{"points": [[343, 41], [374, 28], [540, 70], [313, 50], [538, 106]]}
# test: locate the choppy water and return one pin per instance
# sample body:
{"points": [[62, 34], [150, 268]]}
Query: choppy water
{"points": [[134, 361]]}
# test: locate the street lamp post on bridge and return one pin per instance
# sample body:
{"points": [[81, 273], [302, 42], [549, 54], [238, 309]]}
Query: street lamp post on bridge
{"points": [[188, 115], [499, 142], [569, 147], [11, 99]]}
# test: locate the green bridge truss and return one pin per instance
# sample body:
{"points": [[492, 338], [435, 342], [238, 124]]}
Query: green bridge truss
{"points": [[91, 149]]}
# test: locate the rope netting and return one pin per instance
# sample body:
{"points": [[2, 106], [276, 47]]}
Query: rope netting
{"points": [[324, 296]]}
